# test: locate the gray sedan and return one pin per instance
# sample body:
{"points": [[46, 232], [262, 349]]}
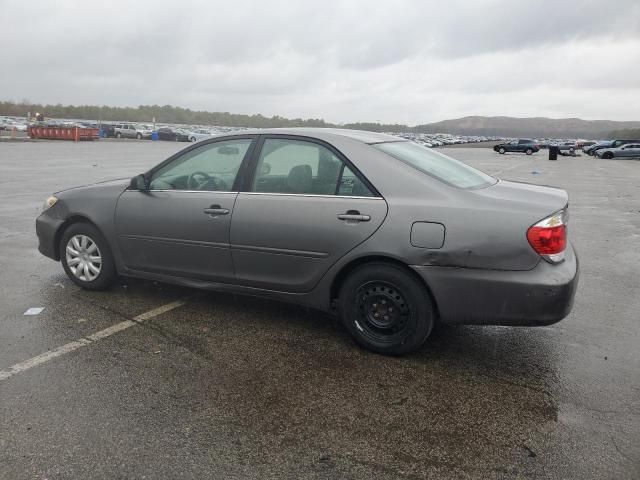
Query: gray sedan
{"points": [[389, 235], [630, 150]]}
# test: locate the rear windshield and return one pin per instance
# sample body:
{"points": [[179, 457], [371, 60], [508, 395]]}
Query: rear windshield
{"points": [[437, 165]]}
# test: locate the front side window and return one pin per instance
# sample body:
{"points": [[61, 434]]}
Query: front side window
{"points": [[436, 165], [301, 167], [211, 167]]}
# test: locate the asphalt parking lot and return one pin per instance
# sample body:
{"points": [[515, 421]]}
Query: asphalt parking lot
{"points": [[192, 384]]}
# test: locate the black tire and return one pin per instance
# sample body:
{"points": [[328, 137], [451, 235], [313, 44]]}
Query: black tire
{"points": [[193, 139], [107, 274], [607, 155], [528, 151], [139, 136], [403, 310], [501, 150], [118, 135]]}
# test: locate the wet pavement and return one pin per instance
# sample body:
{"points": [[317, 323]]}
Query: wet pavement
{"points": [[234, 387]]}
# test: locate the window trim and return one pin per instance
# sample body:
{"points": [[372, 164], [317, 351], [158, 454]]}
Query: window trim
{"points": [[309, 195], [235, 188], [246, 186]]}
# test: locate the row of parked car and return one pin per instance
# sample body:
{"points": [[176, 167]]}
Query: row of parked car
{"points": [[12, 124], [181, 133], [602, 149], [440, 139], [142, 131]]}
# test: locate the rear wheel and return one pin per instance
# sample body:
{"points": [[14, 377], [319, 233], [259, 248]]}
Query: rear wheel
{"points": [[86, 257], [192, 139], [501, 150], [139, 136], [385, 309], [528, 151]]}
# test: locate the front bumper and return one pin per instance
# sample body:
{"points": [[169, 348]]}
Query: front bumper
{"points": [[541, 296], [47, 228]]}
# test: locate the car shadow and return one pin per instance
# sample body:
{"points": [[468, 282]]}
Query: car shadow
{"points": [[286, 376]]}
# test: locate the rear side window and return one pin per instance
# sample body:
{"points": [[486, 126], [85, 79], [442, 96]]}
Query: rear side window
{"points": [[437, 165], [306, 168]]}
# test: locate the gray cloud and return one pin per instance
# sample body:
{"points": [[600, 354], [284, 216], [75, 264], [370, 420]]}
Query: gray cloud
{"points": [[406, 61]]}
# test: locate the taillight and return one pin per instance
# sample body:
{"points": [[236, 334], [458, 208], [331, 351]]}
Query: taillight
{"points": [[548, 237]]}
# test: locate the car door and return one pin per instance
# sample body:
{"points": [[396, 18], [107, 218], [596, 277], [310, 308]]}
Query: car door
{"points": [[303, 208], [630, 150], [180, 224]]}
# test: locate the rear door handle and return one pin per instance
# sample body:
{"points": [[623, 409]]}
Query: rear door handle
{"points": [[353, 216], [216, 210]]}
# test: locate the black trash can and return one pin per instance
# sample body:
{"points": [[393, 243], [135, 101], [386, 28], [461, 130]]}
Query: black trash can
{"points": [[553, 152]]}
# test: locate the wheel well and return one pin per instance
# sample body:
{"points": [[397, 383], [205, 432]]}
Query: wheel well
{"points": [[350, 267], [67, 223]]}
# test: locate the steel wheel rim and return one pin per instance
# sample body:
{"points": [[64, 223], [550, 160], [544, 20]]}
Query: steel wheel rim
{"points": [[83, 258], [382, 312]]}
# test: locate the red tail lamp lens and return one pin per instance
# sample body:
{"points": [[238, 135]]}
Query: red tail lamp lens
{"points": [[548, 237], [548, 240]]}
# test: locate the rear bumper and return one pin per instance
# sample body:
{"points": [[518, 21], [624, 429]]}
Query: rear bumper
{"points": [[541, 296]]}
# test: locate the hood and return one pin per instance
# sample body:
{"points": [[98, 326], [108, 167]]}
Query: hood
{"points": [[124, 182]]}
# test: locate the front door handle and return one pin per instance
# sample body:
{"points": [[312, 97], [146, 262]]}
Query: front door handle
{"points": [[353, 216], [216, 210]]}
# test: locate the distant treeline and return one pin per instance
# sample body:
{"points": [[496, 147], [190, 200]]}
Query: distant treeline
{"points": [[476, 125], [171, 114], [629, 134], [162, 114]]}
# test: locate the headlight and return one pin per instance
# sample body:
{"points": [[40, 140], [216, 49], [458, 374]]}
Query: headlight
{"points": [[49, 202]]}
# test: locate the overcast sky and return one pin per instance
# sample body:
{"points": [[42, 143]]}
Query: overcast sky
{"points": [[393, 61]]}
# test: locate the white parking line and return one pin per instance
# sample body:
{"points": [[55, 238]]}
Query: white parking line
{"points": [[88, 340]]}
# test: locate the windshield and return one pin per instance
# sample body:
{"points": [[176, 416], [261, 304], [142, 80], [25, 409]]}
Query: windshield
{"points": [[437, 165]]}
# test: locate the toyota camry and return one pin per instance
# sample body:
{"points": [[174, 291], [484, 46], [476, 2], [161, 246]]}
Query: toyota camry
{"points": [[389, 235]]}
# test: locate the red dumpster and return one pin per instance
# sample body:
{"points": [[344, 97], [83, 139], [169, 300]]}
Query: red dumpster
{"points": [[63, 133]]}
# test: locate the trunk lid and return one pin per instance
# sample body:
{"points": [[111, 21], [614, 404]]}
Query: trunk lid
{"points": [[537, 199]]}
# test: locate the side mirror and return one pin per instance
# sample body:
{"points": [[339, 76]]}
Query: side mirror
{"points": [[139, 182]]}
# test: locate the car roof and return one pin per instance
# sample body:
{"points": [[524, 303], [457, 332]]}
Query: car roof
{"points": [[326, 134]]}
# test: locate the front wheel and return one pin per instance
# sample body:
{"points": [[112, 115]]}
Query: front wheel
{"points": [[139, 136], [86, 257], [607, 155], [386, 309], [118, 135], [502, 150]]}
